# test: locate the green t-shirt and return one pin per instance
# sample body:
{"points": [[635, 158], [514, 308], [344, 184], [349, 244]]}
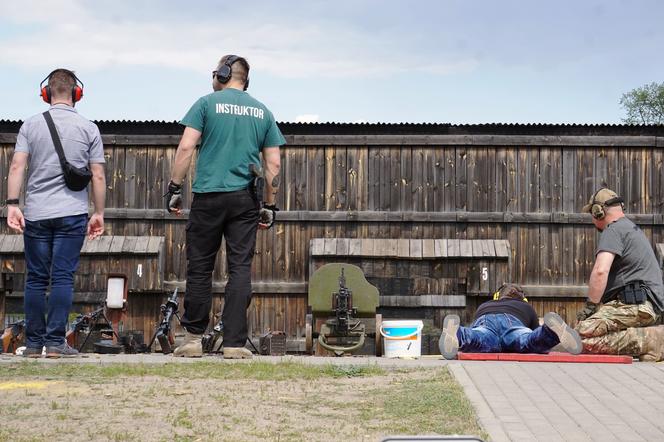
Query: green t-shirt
{"points": [[235, 128]]}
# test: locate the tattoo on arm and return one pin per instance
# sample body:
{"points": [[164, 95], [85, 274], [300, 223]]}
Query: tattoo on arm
{"points": [[276, 181]]}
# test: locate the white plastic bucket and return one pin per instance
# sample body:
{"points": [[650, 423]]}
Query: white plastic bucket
{"points": [[402, 339]]}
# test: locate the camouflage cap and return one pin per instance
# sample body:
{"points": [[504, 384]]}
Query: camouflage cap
{"points": [[603, 197]]}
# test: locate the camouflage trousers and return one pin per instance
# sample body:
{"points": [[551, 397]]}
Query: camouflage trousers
{"points": [[617, 329]]}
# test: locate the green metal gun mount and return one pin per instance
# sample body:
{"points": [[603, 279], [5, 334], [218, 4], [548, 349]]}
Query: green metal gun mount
{"points": [[341, 306]]}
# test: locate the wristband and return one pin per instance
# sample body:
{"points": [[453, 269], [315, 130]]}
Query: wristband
{"points": [[13, 201], [174, 188]]}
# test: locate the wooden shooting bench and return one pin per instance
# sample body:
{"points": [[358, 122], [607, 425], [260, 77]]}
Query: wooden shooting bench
{"points": [[139, 258], [428, 273]]}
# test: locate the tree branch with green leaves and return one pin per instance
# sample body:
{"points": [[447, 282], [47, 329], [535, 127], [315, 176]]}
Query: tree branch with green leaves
{"points": [[644, 105]]}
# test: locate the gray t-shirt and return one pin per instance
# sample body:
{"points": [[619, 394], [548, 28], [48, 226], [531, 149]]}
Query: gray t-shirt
{"points": [[635, 259], [47, 196]]}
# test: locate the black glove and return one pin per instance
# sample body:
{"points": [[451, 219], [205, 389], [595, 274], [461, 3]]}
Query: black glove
{"points": [[268, 215], [588, 310], [173, 198]]}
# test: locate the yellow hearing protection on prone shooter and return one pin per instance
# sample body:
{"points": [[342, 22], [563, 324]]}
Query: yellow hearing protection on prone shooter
{"points": [[496, 296]]}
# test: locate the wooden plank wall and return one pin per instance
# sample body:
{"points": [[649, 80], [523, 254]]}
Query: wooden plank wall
{"points": [[527, 194]]}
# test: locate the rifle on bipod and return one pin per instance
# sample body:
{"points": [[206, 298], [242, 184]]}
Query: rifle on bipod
{"points": [[213, 340], [13, 337], [163, 332], [88, 323]]}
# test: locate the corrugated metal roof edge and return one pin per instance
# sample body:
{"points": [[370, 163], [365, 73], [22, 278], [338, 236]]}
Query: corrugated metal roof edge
{"points": [[156, 127], [402, 123]]}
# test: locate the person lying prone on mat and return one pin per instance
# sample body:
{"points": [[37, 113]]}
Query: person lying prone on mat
{"points": [[507, 324]]}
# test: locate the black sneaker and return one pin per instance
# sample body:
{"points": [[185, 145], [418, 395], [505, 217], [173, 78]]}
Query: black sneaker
{"points": [[61, 351], [32, 352]]}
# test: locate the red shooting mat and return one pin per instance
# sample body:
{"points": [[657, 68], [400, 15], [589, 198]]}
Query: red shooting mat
{"points": [[551, 357]]}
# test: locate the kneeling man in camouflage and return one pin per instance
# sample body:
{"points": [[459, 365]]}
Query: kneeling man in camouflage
{"points": [[626, 282], [508, 324]]}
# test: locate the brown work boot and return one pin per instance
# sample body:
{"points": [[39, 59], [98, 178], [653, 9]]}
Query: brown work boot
{"points": [[192, 347], [237, 353], [449, 343], [654, 345], [569, 339]]}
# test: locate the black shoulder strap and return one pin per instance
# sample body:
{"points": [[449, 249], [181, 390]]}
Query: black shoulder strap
{"points": [[55, 137]]}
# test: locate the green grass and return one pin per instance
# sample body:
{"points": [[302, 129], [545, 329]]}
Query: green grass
{"points": [[401, 401], [437, 405], [196, 370]]}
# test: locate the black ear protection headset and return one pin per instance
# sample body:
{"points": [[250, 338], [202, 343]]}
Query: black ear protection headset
{"points": [[76, 91], [225, 72], [597, 208]]}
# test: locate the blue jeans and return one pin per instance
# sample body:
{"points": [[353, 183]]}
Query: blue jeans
{"points": [[52, 250], [502, 332]]}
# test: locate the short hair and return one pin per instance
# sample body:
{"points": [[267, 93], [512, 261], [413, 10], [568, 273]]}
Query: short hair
{"points": [[511, 291], [62, 82], [239, 68]]}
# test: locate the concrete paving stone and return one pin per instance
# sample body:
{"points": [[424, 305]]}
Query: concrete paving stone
{"points": [[497, 400], [578, 438], [510, 419], [549, 437], [625, 433], [653, 372], [540, 429], [531, 415], [519, 436], [621, 431], [516, 427], [641, 396], [533, 420], [487, 418], [576, 400], [651, 435]]}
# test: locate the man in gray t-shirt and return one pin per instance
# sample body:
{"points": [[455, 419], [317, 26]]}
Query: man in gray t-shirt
{"points": [[627, 280], [634, 262], [56, 217]]}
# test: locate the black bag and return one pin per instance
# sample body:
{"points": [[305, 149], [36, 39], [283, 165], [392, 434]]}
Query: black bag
{"points": [[76, 178]]}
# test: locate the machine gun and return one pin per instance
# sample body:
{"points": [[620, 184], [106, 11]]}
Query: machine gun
{"points": [[13, 337], [163, 331], [86, 323], [343, 333], [342, 303]]}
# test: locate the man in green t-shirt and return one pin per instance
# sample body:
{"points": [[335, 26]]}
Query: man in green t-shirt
{"points": [[234, 130]]}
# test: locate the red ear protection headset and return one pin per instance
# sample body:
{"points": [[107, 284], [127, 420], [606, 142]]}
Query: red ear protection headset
{"points": [[76, 92]]}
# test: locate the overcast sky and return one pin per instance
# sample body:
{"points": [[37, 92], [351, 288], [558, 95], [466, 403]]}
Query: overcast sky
{"points": [[377, 61]]}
